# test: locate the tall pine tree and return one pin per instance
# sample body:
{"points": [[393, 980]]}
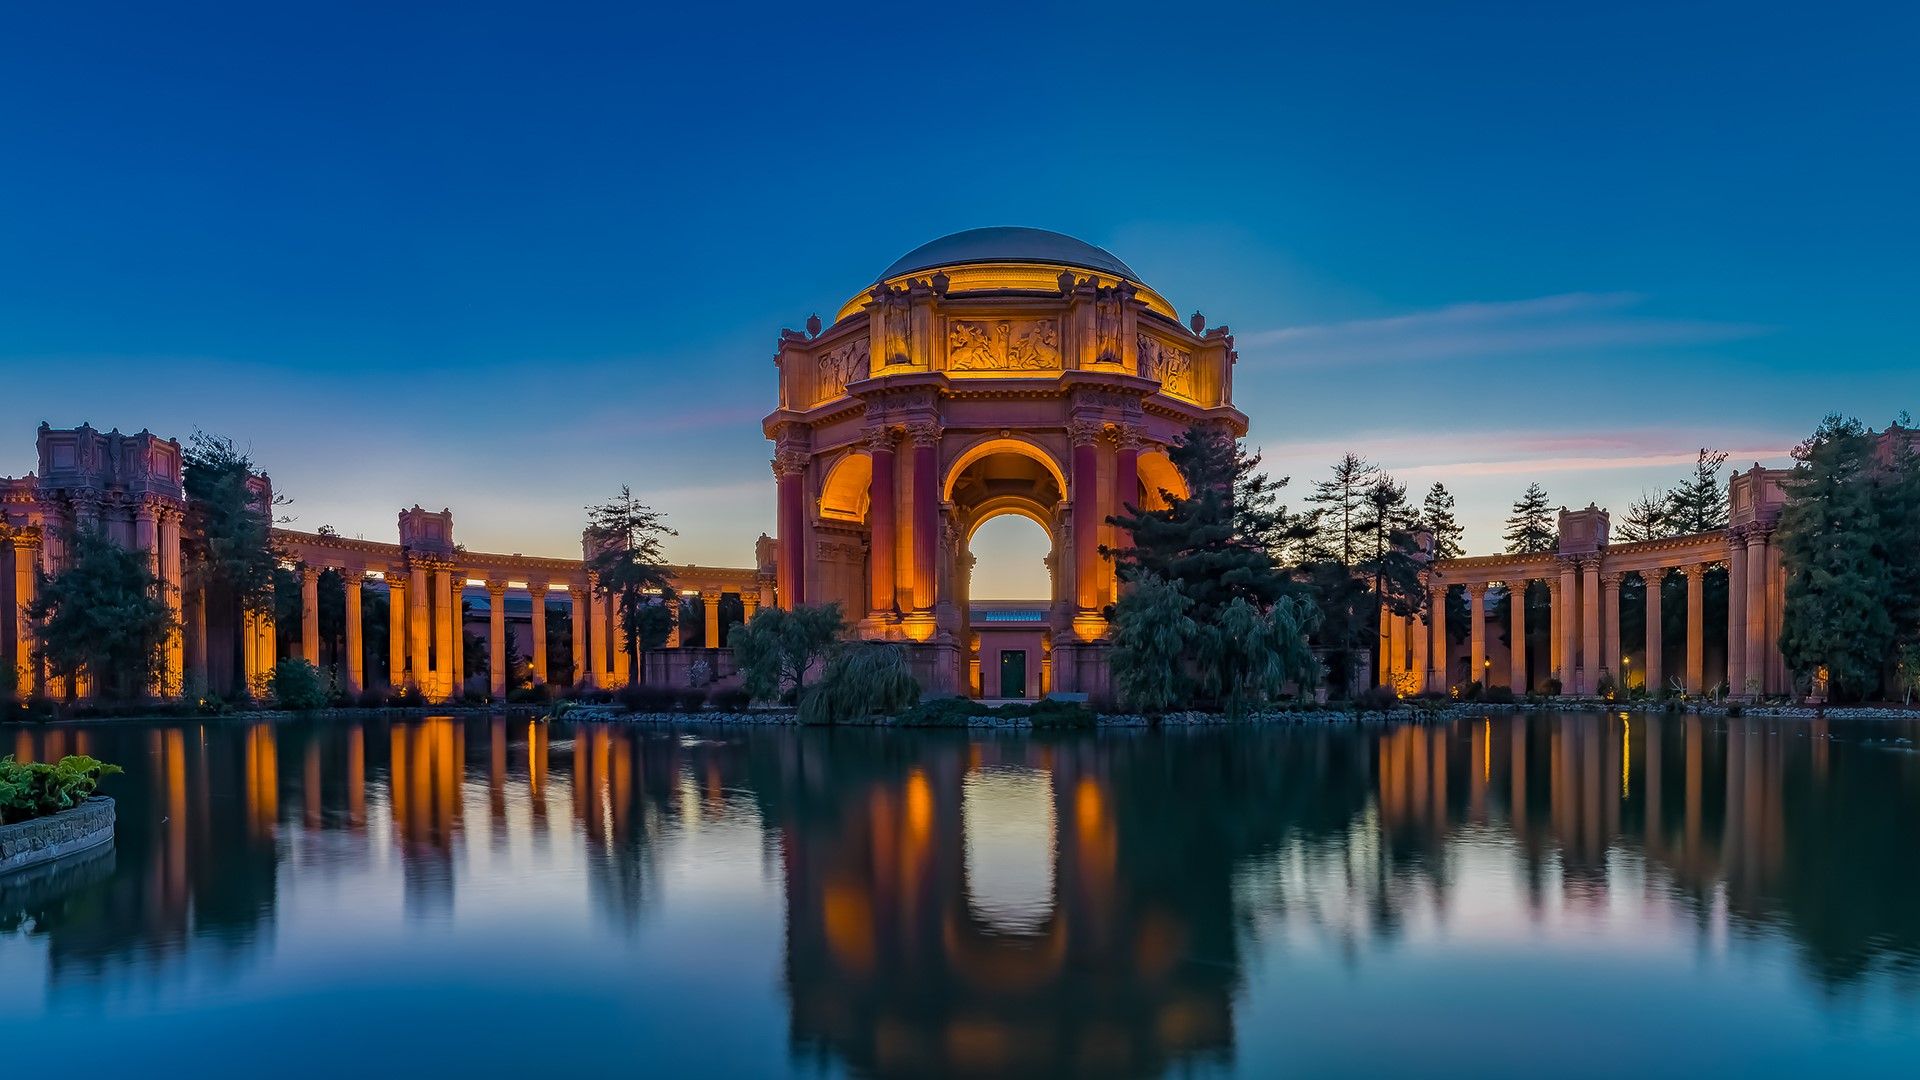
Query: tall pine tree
{"points": [[1646, 519], [1436, 516], [1532, 528], [1699, 504]]}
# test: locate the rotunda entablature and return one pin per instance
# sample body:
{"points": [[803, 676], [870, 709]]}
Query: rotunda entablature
{"points": [[1006, 313]]}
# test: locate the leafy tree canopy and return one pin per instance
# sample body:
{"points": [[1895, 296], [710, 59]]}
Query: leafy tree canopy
{"points": [[104, 616]]}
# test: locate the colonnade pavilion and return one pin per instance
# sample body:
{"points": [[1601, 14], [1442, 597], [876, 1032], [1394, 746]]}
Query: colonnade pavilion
{"points": [[1000, 371]]}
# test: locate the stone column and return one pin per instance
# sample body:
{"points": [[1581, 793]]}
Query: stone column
{"points": [[598, 626], [1696, 628], [926, 513], [787, 468], [1736, 615], [1437, 673], [197, 637], [1590, 660], [497, 662], [884, 578], [1085, 498], [538, 590], [267, 647], [250, 650], [582, 671], [1383, 650], [1477, 630], [397, 621], [1756, 628], [418, 651], [170, 576], [1126, 483], [26, 583], [356, 667], [679, 607], [1517, 631], [1655, 669], [1555, 613], [310, 614], [1610, 629], [617, 640], [1417, 639], [1567, 603], [749, 603], [146, 535], [710, 631], [457, 615], [444, 681]]}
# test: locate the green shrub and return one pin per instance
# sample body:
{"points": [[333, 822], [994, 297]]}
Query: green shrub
{"points": [[1472, 691], [1552, 687], [1605, 686], [1498, 695], [34, 789], [1051, 715], [861, 680], [645, 699], [690, 699], [941, 712], [1376, 699], [407, 697], [298, 685], [735, 700]]}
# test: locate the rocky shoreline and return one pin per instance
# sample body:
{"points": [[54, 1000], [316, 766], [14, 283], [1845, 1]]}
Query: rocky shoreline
{"points": [[1413, 712]]}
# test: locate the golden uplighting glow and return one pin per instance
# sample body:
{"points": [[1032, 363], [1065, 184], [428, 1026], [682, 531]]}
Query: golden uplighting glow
{"points": [[1626, 754]]}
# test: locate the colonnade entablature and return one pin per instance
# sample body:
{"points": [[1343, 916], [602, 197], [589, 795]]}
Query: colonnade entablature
{"points": [[1586, 648]]}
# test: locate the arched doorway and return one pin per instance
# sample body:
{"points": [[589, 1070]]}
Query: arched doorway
{"points": [[1000, 499]]}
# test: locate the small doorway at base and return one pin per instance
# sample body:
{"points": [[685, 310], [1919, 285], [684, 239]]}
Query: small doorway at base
{"points": [[1013, 673]]}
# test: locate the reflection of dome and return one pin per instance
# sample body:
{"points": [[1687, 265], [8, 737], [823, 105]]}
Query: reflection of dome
{"points": [[1008, 244]]}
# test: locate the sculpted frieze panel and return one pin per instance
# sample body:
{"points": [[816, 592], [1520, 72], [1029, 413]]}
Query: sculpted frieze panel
{"points": [[1171, 365], [839, 366], [1003, 345]]}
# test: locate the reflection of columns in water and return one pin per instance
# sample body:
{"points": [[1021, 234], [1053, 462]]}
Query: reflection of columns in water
{"points": [[1656, 835], [263, 781], [537, 774], [1695, 769], [310, 783], [1518, 766], [497, 778], [357, 777]]}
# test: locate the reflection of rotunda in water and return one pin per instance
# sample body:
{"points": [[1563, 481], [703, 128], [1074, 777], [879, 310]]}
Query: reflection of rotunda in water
{"points": [[967, 911]]}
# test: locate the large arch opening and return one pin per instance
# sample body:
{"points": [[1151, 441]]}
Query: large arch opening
{"points": [[1006, 501]]}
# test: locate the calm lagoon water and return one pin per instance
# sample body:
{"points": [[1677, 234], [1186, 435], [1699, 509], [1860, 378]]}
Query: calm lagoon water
{"points": [[1577, 895]]}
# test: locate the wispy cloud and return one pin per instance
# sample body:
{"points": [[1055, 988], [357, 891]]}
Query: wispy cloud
{"points": [[1546, 325]]}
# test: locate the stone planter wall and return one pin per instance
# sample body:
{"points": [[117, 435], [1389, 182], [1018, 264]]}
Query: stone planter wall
{"points": [[42, 840]]}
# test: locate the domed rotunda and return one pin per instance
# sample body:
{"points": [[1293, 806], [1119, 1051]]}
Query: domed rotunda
{"points": [[993, 371]]}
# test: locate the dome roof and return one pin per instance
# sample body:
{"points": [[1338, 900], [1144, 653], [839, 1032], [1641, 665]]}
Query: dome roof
{"points": [[1008, 244]]}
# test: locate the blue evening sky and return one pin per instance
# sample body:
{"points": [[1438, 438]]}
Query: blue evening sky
{"points": [[505, 258]]}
